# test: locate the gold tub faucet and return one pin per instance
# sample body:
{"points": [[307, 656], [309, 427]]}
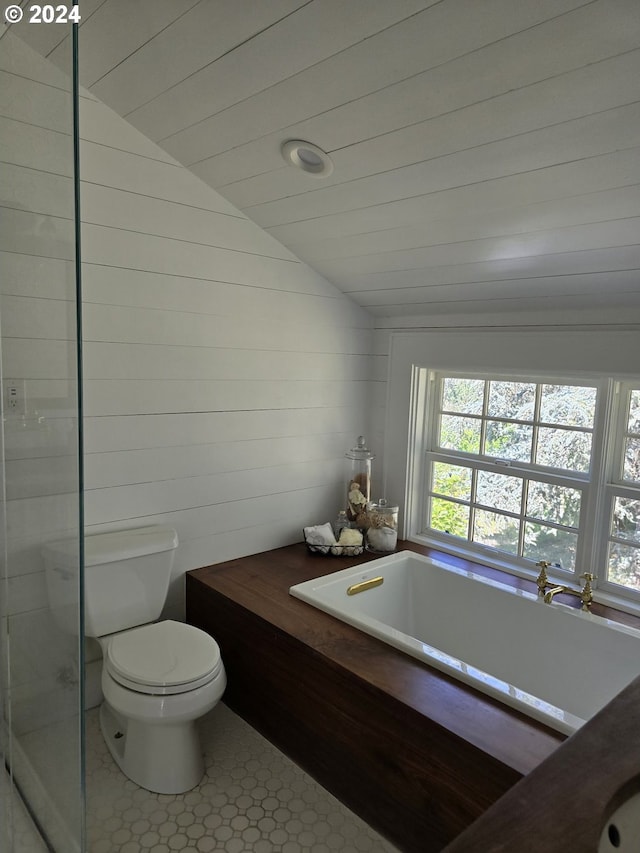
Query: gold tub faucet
{"points": [[585, 594], [548, 590]]}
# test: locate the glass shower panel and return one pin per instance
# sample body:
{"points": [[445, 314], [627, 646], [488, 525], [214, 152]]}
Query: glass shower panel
{"points": [[42, 646]]}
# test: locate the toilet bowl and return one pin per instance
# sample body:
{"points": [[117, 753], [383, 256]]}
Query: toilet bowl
{"points": [[157, 681], [158, 677]]}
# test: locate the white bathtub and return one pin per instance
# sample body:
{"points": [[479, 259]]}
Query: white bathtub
{"points": [[554, 663]]}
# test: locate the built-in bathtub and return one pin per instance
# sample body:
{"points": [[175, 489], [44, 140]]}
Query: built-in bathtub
{"points": [[556, 664], [417, 754]]}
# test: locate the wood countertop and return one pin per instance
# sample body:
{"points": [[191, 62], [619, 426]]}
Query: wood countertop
{"points": [[568, 782]]}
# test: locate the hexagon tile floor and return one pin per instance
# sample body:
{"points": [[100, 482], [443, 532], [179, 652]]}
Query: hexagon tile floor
{"points": [[252, 799]]}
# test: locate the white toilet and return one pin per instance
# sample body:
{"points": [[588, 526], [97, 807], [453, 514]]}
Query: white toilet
{"points": [[158, 678]]}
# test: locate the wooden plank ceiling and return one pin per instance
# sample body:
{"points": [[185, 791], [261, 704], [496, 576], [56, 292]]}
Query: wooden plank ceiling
{"points": [[486, 152]]}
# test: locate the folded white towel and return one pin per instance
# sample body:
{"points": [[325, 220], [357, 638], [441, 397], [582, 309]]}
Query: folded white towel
{"points": [[320, 534]]}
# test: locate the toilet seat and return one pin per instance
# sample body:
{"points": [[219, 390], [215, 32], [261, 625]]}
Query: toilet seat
{"points": [[163, 658]]}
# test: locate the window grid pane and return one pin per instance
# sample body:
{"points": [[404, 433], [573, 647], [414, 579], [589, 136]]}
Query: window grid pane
{"points": [[624, 565], [508, 440], [550, 425], [626, 519], [496, 530], [551, 502], [527, 424], [518, 465], [558, 546], [449, 517], [631, 472], [464, 395], [506, 512], [500, 492], [631, 458], [623, 546], [568, 450], [568, 405], [512, 400], [460, 433], [633, 421], [453, 481]]}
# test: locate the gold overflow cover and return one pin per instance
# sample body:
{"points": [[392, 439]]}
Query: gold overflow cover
{"points": [[364, 585]]}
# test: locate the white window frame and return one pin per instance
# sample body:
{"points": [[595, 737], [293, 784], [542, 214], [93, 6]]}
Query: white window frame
{"points": [[614, 484], [586, 356], [427, 387]]}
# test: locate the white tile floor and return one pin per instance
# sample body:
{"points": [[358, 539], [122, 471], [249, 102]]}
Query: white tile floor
{"points": [[252, 798]]}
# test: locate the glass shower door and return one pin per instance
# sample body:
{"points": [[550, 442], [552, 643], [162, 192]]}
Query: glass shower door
{"points": [[41, 647]]}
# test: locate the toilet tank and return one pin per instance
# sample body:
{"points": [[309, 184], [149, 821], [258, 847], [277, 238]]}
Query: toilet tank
{"points": [[126, 576]]}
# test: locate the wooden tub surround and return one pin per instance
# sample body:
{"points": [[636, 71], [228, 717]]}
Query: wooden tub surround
{"points": [[426, 760], [415, 753]]}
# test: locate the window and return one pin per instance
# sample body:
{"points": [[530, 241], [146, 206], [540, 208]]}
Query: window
{"points": [[531, 468], [623, 507]]}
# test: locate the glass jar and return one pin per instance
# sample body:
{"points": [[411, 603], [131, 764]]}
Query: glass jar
{"points": [[340, 523], [358, 479], [382, 527]]}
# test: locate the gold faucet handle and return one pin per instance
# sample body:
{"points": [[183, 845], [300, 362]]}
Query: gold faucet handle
{"points": [[586, 593], [542, 580]]}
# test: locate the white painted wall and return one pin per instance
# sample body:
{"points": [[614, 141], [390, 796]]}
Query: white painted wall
{"points": [[223, 378]]}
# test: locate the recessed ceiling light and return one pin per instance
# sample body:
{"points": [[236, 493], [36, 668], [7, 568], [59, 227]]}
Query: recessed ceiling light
{"points": [[307, 157]]}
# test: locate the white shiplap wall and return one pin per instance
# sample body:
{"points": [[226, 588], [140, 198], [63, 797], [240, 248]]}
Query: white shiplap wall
{"points": [[223, 378]]}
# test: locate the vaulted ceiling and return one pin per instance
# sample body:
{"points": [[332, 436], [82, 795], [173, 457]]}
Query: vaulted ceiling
{"points": [[486, 152]]}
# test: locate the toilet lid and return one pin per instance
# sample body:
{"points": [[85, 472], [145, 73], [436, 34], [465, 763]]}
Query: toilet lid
{"points": [[165, 657]]}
